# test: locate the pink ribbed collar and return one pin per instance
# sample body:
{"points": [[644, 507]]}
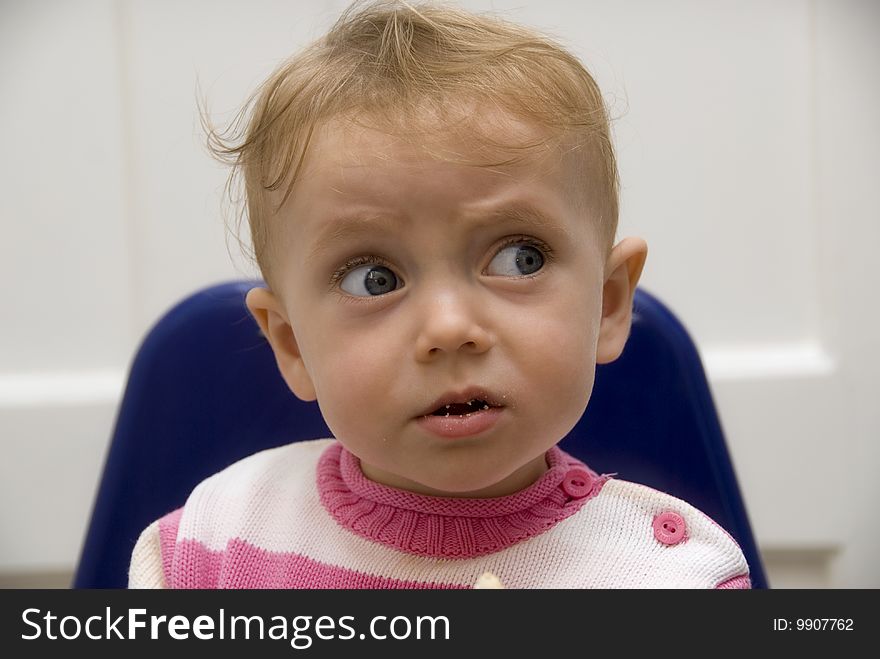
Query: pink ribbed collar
{"points": [[447, 527]]}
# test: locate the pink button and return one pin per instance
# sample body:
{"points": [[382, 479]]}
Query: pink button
{"points": [[669, 528], [577, 483]]}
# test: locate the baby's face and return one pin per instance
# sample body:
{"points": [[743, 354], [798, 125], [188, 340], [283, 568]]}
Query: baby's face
{"points": [[408, 280]]}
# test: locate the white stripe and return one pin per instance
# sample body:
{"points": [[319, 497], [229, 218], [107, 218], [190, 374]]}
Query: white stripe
{"points": [[777, 360], [61, 388]]}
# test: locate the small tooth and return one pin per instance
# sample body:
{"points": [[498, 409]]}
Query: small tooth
{"points": [[447, 414], [485, 407]]}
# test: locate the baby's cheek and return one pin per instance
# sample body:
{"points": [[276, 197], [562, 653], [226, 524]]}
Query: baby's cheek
{"points": [[566, 368], [354, 385]]}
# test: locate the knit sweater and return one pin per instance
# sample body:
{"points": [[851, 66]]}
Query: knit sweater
{"points": [[305, 516]]}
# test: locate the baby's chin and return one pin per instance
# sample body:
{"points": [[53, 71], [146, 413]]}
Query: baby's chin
{"points": [[481, 471]]}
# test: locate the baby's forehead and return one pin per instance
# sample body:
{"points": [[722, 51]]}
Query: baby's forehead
{"points": [[496, 142]]}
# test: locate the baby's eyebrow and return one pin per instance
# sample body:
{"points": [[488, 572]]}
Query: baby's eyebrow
{"points": [[350, 227], [347, 228], [520, 213]]}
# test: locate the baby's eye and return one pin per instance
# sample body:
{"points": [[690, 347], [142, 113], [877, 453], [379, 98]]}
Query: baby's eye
{"points": [[517, 260], [370, 279]]}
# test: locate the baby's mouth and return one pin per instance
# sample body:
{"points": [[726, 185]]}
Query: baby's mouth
{"points": [[462, 409], [465, 402], [468, 412]]}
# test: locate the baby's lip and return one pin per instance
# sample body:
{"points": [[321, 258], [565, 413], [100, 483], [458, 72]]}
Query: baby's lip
{"points": [[462, 396]]}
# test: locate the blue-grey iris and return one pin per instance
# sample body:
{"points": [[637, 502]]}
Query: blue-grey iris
{"points": [[528, 259], [380, 280]]}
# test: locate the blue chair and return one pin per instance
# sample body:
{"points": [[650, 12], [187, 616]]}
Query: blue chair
{"points": [[204, 391]]}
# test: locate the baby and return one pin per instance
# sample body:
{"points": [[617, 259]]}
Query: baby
{"points": [[433, 200]]}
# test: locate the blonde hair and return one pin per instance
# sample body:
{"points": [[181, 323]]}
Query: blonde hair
{"points": [[388, 60]]}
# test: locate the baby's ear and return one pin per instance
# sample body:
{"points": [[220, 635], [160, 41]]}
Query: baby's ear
{"points": [[272, 319], [622, 271]]}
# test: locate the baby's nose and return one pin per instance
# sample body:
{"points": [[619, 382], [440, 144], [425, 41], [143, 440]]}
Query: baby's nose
{"points": [[452, 323]]}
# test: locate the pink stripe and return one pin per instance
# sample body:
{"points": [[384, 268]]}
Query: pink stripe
{"points": [[197, 567], [741, 581], [167, 537], [243, 565]]}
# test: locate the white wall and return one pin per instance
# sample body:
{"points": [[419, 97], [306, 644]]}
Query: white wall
{"points": [[748, 149]]}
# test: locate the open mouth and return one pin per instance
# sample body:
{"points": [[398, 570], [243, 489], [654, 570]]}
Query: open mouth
{"points": [[462, 409], [464, 413]]}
